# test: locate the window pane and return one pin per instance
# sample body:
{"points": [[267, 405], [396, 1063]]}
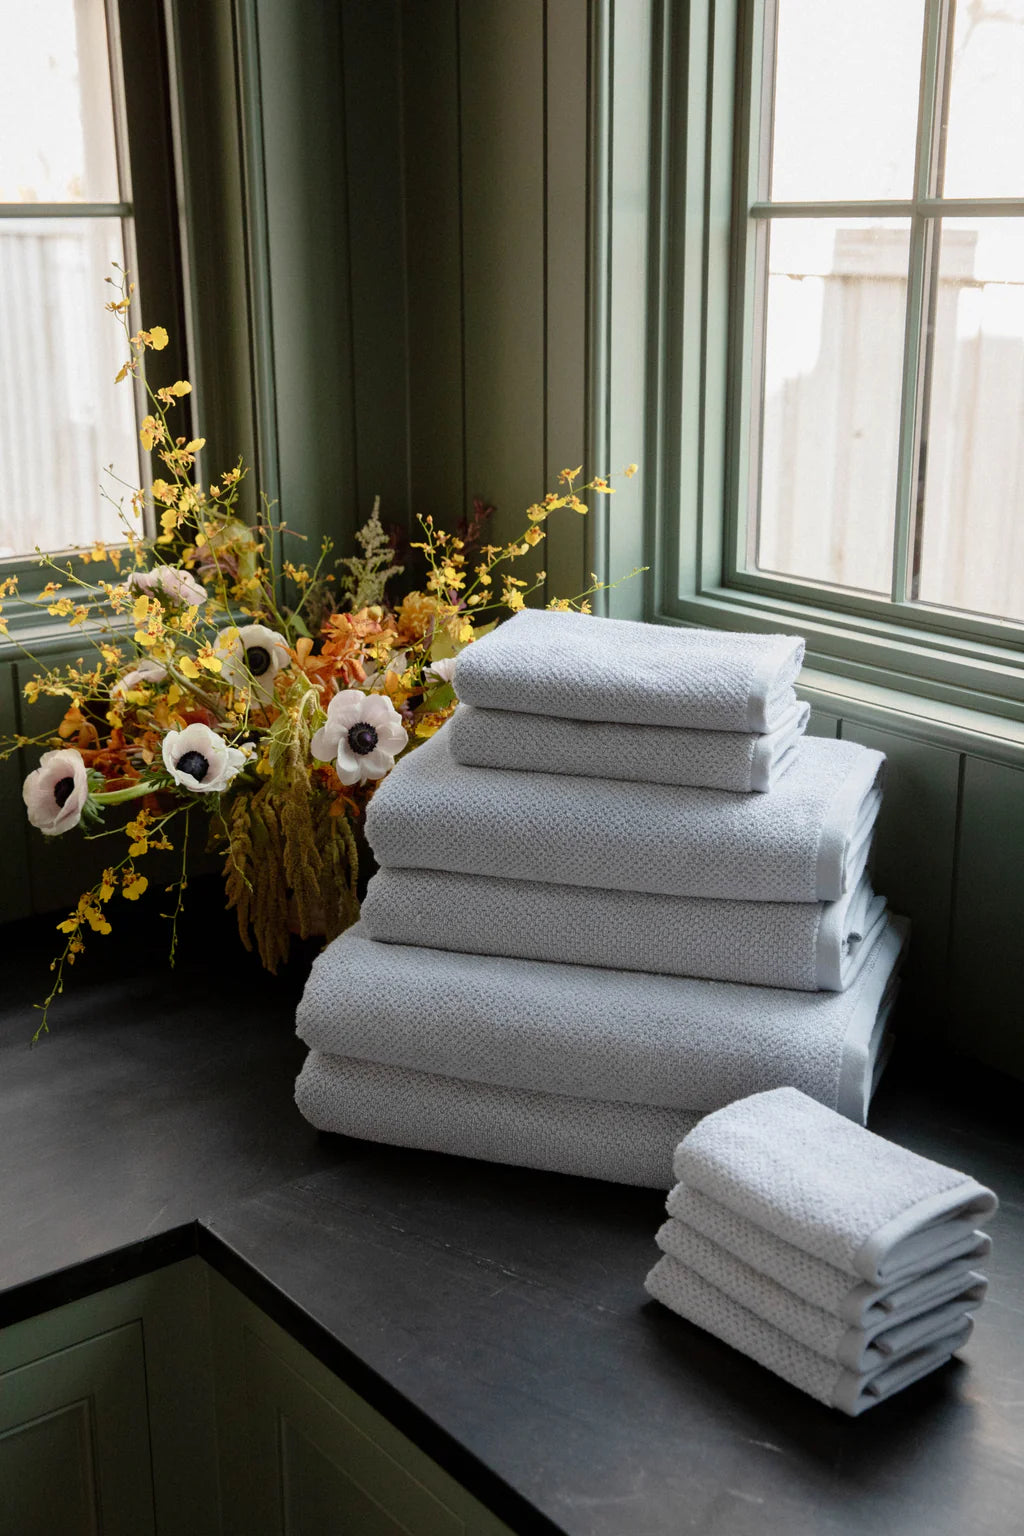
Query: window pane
{"points": [[56, 115], [971, 541], [833, 357], [846, 88], [985, 137], [62, 418]]}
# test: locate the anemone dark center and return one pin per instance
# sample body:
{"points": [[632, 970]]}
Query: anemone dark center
{"points": [[258, 659], [62, 791], [195, 765], [362, 738]]}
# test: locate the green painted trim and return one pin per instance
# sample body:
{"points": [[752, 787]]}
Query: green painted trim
{"points": [[894, 208], [66, 210]]}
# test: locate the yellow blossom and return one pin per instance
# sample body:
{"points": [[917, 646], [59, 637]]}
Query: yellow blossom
{"points": [[150, 432], [568, 475], [134, 886], [630, 470], [533, 535]]}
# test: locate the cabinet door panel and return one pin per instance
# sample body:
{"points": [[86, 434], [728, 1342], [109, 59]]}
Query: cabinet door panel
{"points": [[74, 1441], [321, 1471]]}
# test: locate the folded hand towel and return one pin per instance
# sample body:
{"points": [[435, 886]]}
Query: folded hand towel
{"points": [[584, 668], [841, 1193], [694, 1298], [857, 1302], [625, 1143], [858, 1348], [806, 841], [803, 945], [649, 754], [596, 1034]]}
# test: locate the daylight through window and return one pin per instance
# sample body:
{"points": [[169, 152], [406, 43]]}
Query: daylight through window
{"points": [[884, 261]]}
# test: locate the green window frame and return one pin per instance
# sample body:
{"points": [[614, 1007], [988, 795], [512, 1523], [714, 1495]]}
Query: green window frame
{"points": [[707, 204]]}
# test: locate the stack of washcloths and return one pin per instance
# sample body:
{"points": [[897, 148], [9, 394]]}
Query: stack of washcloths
{"points": [[842, 1262], [619, 889]]}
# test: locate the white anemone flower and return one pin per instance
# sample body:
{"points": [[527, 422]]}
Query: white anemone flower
{"points": [[443, 671], [250, 658], [55, 793], [200, 760], [364, 734], [179, 585], [145, 675]]}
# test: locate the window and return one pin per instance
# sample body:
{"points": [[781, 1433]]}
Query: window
{"points": [[851, 447], [66, 213]]}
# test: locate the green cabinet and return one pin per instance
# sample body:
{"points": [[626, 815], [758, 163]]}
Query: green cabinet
{"points": [[172, 1405], [74, 1440], [303, 1455]]}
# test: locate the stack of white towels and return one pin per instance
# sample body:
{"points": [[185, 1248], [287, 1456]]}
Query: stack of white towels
{"points": [[618, 890], [843, 1263]]}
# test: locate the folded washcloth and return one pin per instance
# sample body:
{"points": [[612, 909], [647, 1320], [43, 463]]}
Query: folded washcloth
{"points": [[852, 1392], [800, 944], [625, 1143], [857, 1302], [583, 668], [649, 754], [857, 1347], [864, 1205], [667, 1041], [806, 841]]}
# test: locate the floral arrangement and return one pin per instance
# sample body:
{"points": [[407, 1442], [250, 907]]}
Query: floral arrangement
{"points": [[265, 695]]}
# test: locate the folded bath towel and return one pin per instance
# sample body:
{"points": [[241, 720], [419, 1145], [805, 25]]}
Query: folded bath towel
{"points": [[806, 841], [858, 1348], [844, 1195], [858, 1303], [799, 944], [852, 1392], [625, 1143], [623, 1036], [583, 668], [649, 754]]}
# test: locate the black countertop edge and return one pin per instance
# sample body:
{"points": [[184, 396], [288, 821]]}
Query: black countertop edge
{"points": [[90, 1276], [434, 1441]]}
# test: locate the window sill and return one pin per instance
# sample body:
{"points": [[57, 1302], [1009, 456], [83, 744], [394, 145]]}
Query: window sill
{"points": [[958, 686]]}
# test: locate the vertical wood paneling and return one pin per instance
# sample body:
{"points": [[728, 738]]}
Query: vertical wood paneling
{"points": [[433, 250], [501, 59], [302, 78], [986, 1002], [913, 858], [373, 154], [15, 898], [566, 382]]}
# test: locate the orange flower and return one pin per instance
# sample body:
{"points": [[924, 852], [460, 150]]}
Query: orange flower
{"points": [[418, 613]]}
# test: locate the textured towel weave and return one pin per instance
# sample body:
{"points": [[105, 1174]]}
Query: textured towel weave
{"points": [[694, 1298], [798, 944], [806, 841], [649, 754], [857, 1302], [841, 1193], [857, 1348], [625, 1143], [578, 667], [595, 1034]]}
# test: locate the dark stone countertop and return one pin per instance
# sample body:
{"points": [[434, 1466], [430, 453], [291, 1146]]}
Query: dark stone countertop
{"points": [[497, 1316]]}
